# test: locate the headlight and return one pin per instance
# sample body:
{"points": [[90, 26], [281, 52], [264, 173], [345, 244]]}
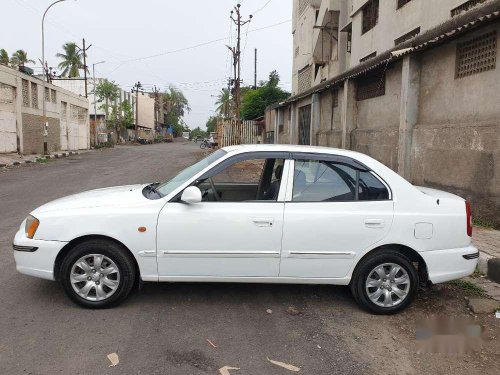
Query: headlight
{"points": [[31, 226]]}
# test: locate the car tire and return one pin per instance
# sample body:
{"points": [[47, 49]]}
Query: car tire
{"points": [[105, 288], [398, 290]]}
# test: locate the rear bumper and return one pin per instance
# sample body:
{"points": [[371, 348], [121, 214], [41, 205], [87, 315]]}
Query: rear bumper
{"points": [[37, 257], [450, 264]]}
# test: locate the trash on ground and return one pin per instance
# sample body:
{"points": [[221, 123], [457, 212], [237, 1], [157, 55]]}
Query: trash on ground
{"points": [[225, 370], [285, 365], [113, 358], [497, 314], [269, 311], [211, 343]]}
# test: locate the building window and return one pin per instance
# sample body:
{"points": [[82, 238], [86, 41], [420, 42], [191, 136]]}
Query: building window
{"points": [[53, 96], [349, 41], [368, 57], [297, 51], [335, 97], [305, 77], [305, 125], [468, 5], [26, 93], [47, 94], [476, 55], [270, 137], [34, 95], [402, 3], [371, 86], [370, 15], [407, 36]]}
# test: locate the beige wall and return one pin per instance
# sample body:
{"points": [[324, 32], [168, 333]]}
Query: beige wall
{"points": [[146, 111]]}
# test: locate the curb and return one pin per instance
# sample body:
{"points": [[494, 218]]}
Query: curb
{"points": [[489, 266], [51, 156]]}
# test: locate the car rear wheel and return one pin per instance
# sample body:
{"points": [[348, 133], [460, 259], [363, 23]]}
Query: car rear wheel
{"points": [[97, 274], [385, 282]]}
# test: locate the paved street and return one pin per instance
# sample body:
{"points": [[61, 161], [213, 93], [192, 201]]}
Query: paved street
{"points": [[163, 329]]}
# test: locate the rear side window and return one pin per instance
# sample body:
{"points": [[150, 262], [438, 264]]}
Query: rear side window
{"points": [[326, 181]]}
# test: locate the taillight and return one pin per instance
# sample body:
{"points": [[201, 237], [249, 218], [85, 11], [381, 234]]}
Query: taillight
{"points": [[469, 218]]}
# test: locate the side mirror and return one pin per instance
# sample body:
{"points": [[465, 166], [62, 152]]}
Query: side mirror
{"points": [[191, 195]]}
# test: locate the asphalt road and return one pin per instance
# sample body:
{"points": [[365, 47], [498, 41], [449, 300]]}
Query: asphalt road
{"points": [[165, 328]]}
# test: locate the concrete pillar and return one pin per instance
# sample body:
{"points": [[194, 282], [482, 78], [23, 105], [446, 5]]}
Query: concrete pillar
{"points": [[315, 119], [293, 123], [19, 115], [348, 115], [275, 126], [408, 112]]}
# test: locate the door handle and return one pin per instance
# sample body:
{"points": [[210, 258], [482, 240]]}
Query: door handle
{"points": [[374, 223], [263, 221]]}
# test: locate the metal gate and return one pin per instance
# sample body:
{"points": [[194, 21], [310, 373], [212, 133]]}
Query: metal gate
{"points": [[232, 132]]}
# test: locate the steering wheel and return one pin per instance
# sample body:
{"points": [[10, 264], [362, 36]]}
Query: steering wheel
{"points": [[212, 185]]}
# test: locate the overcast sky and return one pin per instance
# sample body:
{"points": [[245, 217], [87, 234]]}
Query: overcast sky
{"points": [[150, 41]]}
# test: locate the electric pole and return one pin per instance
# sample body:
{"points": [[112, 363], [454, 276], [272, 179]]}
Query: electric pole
{"points": [[84, 50], [237, 58], [137, 87], [156, 93], [255, 74]]}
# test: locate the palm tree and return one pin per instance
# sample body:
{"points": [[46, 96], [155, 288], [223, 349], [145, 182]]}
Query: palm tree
{"points": [[4, 57], [223, 103], [20, 58], [72, 60]]}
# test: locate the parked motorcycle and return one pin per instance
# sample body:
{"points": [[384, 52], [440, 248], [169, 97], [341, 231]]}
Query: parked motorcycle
{"points": [[206, 144]]}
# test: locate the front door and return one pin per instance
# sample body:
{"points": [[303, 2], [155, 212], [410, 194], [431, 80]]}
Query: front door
{"points": [[335, 211], [235, 231]]}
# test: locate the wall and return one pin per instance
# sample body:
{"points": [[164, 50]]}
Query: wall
{"points": [[8, 129], [32, 134], [146, 111]]}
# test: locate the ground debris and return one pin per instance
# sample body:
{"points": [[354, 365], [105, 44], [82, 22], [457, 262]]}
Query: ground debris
{"points": [[225, 370], [483, 305], [113, 358], [285, 365]]}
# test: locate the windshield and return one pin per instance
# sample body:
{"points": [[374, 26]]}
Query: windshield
{"points": [[167, 187]]}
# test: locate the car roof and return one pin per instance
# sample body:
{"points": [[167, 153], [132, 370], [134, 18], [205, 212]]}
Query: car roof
{"points": [[291, 148]]}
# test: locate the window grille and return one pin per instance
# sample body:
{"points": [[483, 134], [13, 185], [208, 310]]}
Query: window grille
{"points": [[26, 93], [47, 94], [371, 86], [402, 3], [305, 78], [297, 51], [476, 55], [468, 5], [64, 109], [7, 94], [407, 36], [53, 96], [305, 125], [34, 95], [370, 15], [368, 57], [335, 97], [303, 5]]}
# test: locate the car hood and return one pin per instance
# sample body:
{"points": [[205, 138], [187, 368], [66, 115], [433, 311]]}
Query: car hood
{"points": [[108, 197]]}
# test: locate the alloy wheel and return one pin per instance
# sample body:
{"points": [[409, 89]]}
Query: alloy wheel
{"points": [[387, 285], [95, 277]]}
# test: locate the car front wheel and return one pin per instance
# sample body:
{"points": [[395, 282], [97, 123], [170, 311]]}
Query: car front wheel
{"points": [[385, 282], [97, 274]]}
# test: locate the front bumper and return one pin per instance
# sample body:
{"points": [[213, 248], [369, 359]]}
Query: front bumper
{"points": [[450, 264], [37, 257]]}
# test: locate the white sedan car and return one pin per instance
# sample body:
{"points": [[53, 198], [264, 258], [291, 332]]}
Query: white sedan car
{"points": [[257, 213]]}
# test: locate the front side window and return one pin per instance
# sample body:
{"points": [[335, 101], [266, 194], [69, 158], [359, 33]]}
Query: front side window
{"points": [[327, 181], [257, 179], [370, 15]]}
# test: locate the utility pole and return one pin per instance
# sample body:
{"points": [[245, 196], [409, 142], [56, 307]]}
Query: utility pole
{"points": [[255, 75], [137, 87], [237, 58], [84, 50], [156, 93]]}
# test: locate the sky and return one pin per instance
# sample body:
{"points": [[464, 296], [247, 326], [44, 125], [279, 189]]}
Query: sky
{"points": [[158, 42]]}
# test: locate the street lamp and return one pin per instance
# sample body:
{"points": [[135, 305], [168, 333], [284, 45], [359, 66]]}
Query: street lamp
{"points": [[95, 99], [45, 123]]}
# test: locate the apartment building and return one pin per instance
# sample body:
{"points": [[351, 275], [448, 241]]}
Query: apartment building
{"points": [[22, 127], [413, 83]]}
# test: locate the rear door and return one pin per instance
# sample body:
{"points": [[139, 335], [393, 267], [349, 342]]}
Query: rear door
{"points": [[335, 208]]}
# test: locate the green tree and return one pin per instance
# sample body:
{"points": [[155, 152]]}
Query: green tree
{"points": [[255, 102], [176, 106], [4, 57], [71, 60], [223, 103], [211, 124], [20, 58], [107, 92], [198, 132], [120, 117]]}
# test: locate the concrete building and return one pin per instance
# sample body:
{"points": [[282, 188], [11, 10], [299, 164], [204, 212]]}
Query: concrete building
{"points": [[97, 113], [21, 115], [414, 86]]}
